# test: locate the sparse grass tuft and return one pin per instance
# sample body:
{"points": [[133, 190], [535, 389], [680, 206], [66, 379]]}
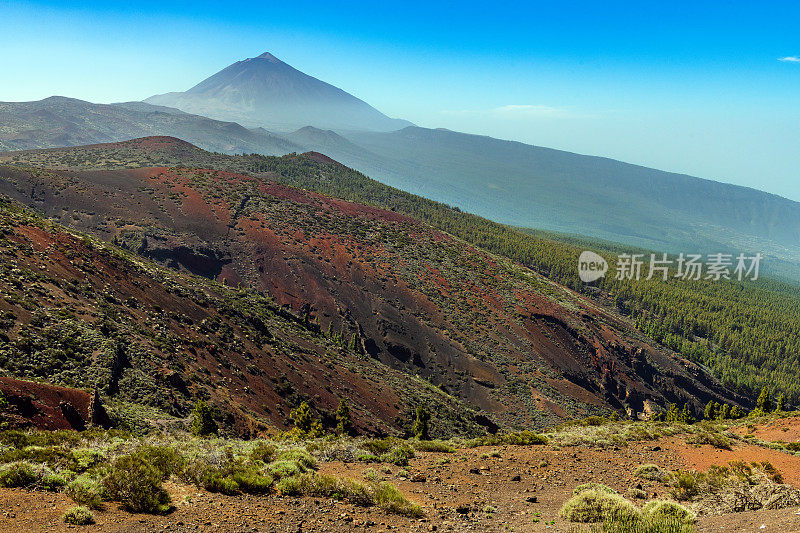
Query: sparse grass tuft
{"points": [[638, 525], [637, 494], [651, 472], [392, 500], [599, 487], [398, 455], [432, 446], [663, 510]]}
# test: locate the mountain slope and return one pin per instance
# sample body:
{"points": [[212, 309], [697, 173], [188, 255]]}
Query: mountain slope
{"points": [[530, 186], [506, 181], [747, 333], [78, 312], [487, 330], [265, 91], [59, 121]]}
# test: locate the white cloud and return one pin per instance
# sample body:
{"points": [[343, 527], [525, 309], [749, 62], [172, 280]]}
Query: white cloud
{"points": [[520, 112], [790, 59], [531, 110]]}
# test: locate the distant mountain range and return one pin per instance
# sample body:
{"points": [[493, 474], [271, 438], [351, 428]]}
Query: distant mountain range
{"points": [[265, 92], [535, 187], [506, 181], [58, 121]]}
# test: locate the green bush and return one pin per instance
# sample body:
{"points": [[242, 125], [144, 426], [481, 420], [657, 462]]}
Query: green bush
{"points": [[136, 483], [21, 439], [432, 446], [252, 481], [203, 422], [379, 446], [86, 490], [651, 472], [283, 469], [78, 516], [596, 506], [637, 494], [291, 486], [524, 438], [520, 438], [313, 484], [52, 456], [219, 481], [660, 510], [53, 482], [19, 474], [299, 456], [264, 451], [686, 485], [639, 525], [165, 459], [392, 500], [85, 458], [399, 455], [420, 428], [717, 440], [599, 487]]}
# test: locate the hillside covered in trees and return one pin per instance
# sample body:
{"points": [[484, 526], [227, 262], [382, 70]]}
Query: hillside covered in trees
{"points": [[747, 333]]}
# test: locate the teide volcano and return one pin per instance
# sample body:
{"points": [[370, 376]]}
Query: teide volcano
{"points": [[265, 91]]}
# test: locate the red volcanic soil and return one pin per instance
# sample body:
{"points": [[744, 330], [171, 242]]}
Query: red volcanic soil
{"points": [[360, 210], [45, 406], [701, 457], [417, 299], [782, 429]]}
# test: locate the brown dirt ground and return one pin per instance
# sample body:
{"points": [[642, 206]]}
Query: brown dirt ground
{"points": [[782, 429], [454, 489]]}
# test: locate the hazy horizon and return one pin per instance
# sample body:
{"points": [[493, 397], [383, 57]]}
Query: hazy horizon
{"points": [[700, 90]]}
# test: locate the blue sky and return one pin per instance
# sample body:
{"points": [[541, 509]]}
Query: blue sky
{"points": [[695, 87]]}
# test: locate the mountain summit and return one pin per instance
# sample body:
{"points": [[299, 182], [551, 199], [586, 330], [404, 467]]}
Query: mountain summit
{"points": [[264, 91]]}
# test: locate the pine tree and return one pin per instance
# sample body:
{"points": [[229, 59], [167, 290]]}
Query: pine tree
{"points": [[687, 415], [3, 406], [725, 412], [672, 414], [764, 402], [737, 412], [780, 403], [203, 420], [710, 412], [354, 345], [302, 418], [420, 427], [344, 424]]}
